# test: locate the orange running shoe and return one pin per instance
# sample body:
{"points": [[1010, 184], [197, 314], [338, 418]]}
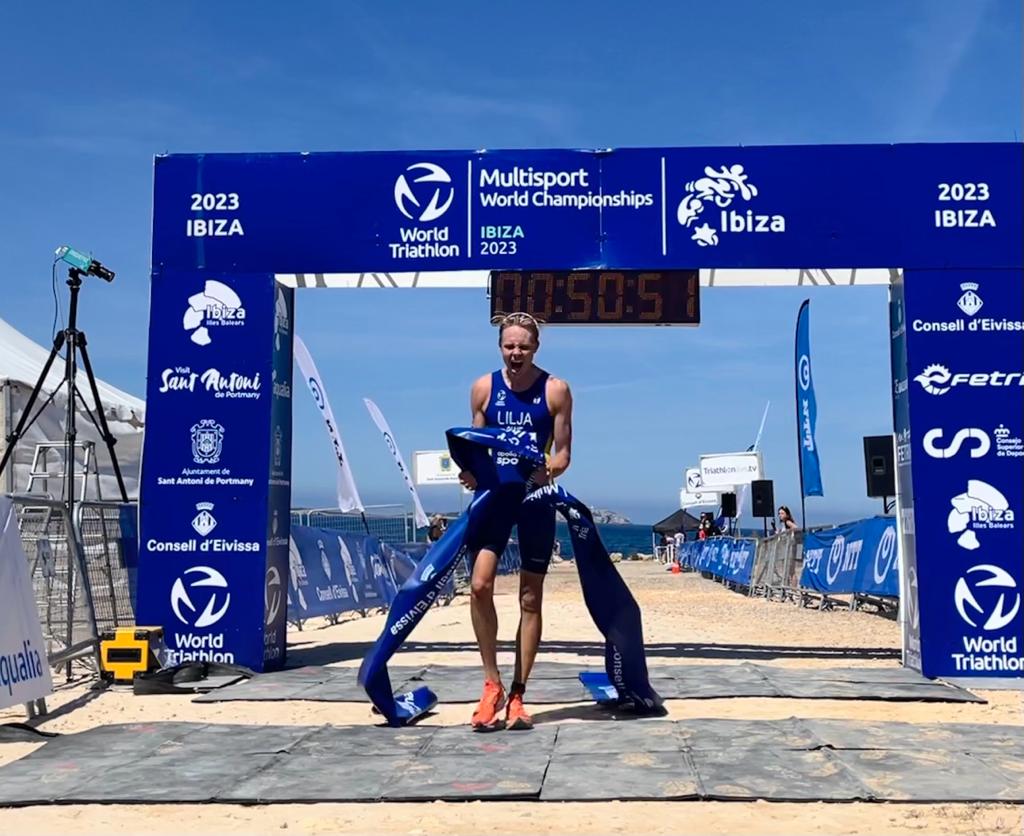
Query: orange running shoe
{"points": [[486, 718], [516, 718]]}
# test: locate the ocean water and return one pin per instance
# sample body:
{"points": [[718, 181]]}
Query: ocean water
{"points": [[628, 539]]}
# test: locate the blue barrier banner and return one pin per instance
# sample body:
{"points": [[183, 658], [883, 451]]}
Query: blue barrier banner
{"points": [[806, 406], [727, 558], [333, 572], [859, 557], [778, 206], [608, 599]]}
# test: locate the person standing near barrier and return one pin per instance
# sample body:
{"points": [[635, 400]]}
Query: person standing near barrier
{"points": [[528, 400], [786, 519]]}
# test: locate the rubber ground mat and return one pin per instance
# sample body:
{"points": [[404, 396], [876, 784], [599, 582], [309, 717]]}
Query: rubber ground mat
{"points": [[558, 682], [791, 759]]}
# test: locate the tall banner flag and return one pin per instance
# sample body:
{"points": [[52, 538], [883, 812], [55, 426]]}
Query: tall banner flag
{"points": [[389, 439], [806, 409], [348, 496]]}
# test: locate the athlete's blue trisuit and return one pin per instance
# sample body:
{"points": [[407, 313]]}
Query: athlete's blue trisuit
{"points": [[607, 597]]}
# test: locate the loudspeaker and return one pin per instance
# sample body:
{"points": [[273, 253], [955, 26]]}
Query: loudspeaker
{"points": [[762, 495], [879, 465], [729, 505]]}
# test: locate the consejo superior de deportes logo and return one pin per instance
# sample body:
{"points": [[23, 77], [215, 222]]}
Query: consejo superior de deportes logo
{"points": [[424, 192]]}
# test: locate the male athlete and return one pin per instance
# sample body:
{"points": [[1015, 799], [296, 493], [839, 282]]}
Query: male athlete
{"points": [[524, 399]]}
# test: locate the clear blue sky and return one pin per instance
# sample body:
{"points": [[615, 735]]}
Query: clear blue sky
{"points": [[90, 92]]}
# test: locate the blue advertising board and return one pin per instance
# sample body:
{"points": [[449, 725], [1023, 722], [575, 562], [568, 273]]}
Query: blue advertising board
{"points": [[216, 466], [965, 358], [859, 557]]}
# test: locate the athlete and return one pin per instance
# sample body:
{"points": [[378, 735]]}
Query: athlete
{"points": [[529, 402]]}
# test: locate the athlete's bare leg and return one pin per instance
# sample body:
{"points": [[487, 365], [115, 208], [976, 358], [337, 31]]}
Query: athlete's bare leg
{"points": [[531, 596], [482, 612]]}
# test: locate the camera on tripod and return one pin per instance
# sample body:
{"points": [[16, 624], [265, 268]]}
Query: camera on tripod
{"points": [[86, 263], [73, 341]]}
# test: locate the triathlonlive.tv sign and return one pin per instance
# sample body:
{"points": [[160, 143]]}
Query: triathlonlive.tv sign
{"points": [[216, 469]]}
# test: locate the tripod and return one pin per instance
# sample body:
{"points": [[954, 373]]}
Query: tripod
{"points": [[74, 340]]}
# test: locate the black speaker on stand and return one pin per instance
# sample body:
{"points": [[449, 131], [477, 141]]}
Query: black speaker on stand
{"points": [[880, 469], [729, 505], [762, 500]]}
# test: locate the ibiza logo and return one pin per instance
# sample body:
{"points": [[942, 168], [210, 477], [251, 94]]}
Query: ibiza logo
{"points": [[980, 508], [718, 189], [969, 302], [207, 441], [272, 596], [204, 522], [424, 192], [987, 584], [206, 588], [217, 306]]}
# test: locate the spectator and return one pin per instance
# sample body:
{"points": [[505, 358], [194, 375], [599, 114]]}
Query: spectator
{"points": [[438, 526], [786, 521]]}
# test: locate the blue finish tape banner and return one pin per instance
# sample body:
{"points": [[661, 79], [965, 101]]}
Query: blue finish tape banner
{"points": [[607, 597], [860, 557], [779, 206], [728, 558]]}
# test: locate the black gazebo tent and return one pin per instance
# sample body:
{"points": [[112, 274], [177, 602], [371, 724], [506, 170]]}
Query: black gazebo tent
{"points": [[680, 520]]}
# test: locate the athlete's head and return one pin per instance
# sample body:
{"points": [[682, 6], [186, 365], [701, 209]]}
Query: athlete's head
{"points": [[519, 339]]}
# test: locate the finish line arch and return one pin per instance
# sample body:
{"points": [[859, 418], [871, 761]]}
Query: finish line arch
{"points": [[233, 234]]}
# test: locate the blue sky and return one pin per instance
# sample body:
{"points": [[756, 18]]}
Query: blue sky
{"points": [[92, 92]]}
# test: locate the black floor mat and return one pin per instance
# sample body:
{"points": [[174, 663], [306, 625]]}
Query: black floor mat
{"points": [[777, 760]]}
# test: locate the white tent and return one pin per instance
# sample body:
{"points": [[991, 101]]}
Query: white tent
{"points": [[21, 361]]}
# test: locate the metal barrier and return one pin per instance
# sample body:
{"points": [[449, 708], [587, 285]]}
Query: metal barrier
{"points": [[777, 567], [59, 580], [391, 524], [107, 532]]}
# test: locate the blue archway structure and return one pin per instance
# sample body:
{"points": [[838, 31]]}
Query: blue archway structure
{"points": [[943, 220]]}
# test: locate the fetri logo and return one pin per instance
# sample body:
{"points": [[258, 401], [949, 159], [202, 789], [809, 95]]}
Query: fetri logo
{"points": [[424, 192], [937, 379]]}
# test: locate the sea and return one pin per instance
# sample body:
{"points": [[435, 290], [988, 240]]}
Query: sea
{"points": [[628, 539]]}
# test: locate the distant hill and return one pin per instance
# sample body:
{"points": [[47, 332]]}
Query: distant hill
{"points": [[605, 517]]}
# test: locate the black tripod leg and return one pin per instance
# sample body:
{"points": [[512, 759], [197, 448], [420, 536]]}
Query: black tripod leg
{"points": [[24, 422], [104, 429]]}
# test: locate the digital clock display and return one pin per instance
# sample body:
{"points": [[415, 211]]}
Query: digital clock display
{"points": [[599, 297]]}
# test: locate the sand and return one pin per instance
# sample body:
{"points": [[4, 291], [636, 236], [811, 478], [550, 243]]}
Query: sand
{"points": [[686, 619]]}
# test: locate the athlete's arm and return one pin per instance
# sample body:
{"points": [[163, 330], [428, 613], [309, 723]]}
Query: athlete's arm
{"points": [[479, 394], [560, 403]]}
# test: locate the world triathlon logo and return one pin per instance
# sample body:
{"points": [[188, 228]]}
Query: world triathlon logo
{"points": [[719, 189], [424, 192]]}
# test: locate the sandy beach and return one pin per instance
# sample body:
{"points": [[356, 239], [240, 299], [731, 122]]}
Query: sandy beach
{"points": [[686, 620]]}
